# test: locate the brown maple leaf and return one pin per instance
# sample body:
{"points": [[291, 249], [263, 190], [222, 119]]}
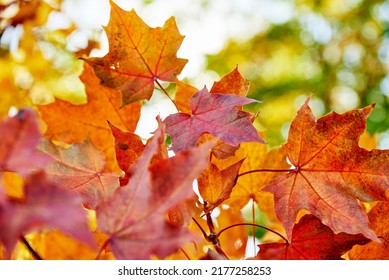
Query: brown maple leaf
{"points": [[215, 114], [19, 137], [80, 168], [71, 123], [330, 172], [135, 215], [311, 241], [45, 205], [138, 55]]}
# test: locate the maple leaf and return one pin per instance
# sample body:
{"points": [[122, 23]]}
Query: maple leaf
{"points": [[45, 204], [379, 221], [181, 214], [311, 241], [215, 186], [215, 114], [71, 123], [134, 215], [256, 157], [128, 147], [138, 55], [231, 83], [330, 172], [80, 168], [236, 249], [183, 94], [55, 245], [19, 137]]}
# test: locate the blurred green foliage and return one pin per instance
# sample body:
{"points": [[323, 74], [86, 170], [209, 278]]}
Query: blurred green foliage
{"points": [[336, 50]]}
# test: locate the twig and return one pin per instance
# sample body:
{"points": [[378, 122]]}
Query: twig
{"points": [[32, 251]]}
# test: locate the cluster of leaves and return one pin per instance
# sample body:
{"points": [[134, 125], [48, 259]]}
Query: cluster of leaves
{"points": [[89, 187]]}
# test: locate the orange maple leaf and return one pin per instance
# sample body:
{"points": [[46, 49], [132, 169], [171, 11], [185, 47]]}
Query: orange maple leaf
{"points": [[80, 168], [379, 221], [216, 185], [71, 123], [330, 172], [138, 55], [231, 83]]}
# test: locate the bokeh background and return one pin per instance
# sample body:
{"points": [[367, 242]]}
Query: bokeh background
{"points": [[335, 50]]}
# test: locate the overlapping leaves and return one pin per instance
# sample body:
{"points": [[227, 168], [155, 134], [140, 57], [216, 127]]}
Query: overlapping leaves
{"points": [[142, 194]]}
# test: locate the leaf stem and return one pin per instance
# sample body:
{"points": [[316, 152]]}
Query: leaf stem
{"points": [[220, 251], [32, 251], [186, 255], [105, 244], [253, 227], [256, 225], [264, 170], [202, 230], [165, 92]]}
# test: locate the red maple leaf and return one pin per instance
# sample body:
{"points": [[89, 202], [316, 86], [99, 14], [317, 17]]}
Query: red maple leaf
{"points": [[330, 172], [135, 215], [46, 204], [215, 114], [311, 241], [19, 137]]}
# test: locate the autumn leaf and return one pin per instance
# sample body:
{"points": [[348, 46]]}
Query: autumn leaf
{"points": [[71, 123], [254, 173], [80, 168], [379, 221], [134, 215], [215, 186], [215, 114], [236, 249], [330, 172], [181, 214], [128, 147], [311, 241], [19, 137], [138, 55], [46, 204], [55, 245], [257, 171], [231, 83], [26, 11]]}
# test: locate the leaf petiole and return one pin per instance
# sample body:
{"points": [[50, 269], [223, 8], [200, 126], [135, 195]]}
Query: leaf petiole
{"points": [[264, 170], [32, 251], [105, 244], [165, 92], [255, 225], [201, 228]]}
